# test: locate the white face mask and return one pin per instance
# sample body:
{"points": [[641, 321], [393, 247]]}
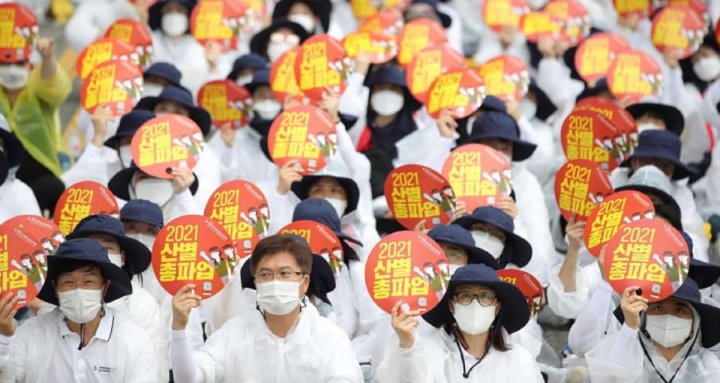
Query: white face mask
{"points": [[339, 205], [14, 77], [278, 297], [174, 24], [707, 68], [244, 79], [307, 21], [537, 4], [156, 190], [151, 90], [115, 258], [488, 242], [668, 330], [267, 109], [474, 318], [125, 154], [387, 102], [80, 305], [275, 50], [146, 239], [528, 108], [647, 126]]}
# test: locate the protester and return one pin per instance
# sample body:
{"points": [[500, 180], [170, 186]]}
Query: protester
{"points": [[284, 340], [82, 338]]}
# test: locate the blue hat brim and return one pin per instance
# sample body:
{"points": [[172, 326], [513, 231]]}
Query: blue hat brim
{"points": [[137, 255], [520, 249], [119, 286], [705, 274], [259, 42], [321, 9], [302, 188], [667, 198], [120, 182], [682, 171], [155, 12], [671, 116], [516, 312], [200, 116], [475, 254]]}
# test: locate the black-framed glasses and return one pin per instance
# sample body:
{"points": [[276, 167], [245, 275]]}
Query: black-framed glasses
{"points": [[283, 275], [485, 298]]}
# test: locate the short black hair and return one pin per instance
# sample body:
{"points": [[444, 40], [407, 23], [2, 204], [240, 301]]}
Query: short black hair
{"points": [[280, 243], [71, 265]]}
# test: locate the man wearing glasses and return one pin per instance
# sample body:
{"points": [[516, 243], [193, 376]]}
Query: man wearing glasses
{"points": [[284, 340]]}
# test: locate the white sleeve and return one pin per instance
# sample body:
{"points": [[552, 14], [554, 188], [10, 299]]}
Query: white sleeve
{"points": [[343, 366], [712, 179], [281, 207], [11, 367], [406, 365], [691, 220], [91, 166], [354, 100], [674, 94], [527, 131], [80, 31], [590, 326], [183, 364], [424, 147], [618, 358], [182, 204], [569, 304], [554, 79]]}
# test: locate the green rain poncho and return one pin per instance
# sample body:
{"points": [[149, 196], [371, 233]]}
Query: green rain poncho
{"points": [[34, 119]]}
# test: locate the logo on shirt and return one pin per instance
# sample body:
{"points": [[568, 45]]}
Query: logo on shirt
{"points": [[103, 369]]}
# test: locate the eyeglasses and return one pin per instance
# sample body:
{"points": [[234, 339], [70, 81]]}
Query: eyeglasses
{"points": [[284, 275], [484, 298]]}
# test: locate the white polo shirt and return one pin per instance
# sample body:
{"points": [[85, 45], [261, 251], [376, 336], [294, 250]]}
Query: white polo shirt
{"points": [[44, 349]]}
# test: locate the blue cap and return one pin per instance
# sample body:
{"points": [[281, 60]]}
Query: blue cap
{"points": [[517, 247], [321, 211], [142, 211], [181, 96], [260, 78], [137, 255], [165, 71], [90, 251], [129, 124], [251, 60], [664, 145], [461, 237], [494, 124]]}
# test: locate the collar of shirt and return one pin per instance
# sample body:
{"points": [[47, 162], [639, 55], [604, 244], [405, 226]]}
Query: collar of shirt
{"points": [[300, 332], [104, 330]]}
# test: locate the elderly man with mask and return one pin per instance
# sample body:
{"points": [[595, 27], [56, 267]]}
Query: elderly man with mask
{"points": [[82, 339], [284, 340]]}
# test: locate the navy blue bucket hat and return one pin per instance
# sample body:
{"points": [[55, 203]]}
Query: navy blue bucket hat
{"points": [[320, 210], [137, 255], [445, 19], [671, 116], [142, 211], [392, 75], [705, 274], [129, 124], [181, 96], [601, 87], [90, 251], [320, 8], [664, 145], [249, 61], [165, 71], [155, 12], [460, 237], [259, 42], [518, 249], [515, 312], [260, 78], [336, 170], [119, 184], [709, 315], [494, 124]]}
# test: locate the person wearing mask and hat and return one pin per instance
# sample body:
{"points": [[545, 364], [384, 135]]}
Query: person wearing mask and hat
{"points": [[134, 258], [657, 116], [174, 100], [241, 149], [245, 66], [82, 338], [30, 98], [501, 132], [173, 43], [285, 339], [494, 232], [335, 184], [174, 196], [278, 38], [158, 76], [661, 148], [663, 341], [313, 15], [102, 158], [16, 198], [471, 343]]}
